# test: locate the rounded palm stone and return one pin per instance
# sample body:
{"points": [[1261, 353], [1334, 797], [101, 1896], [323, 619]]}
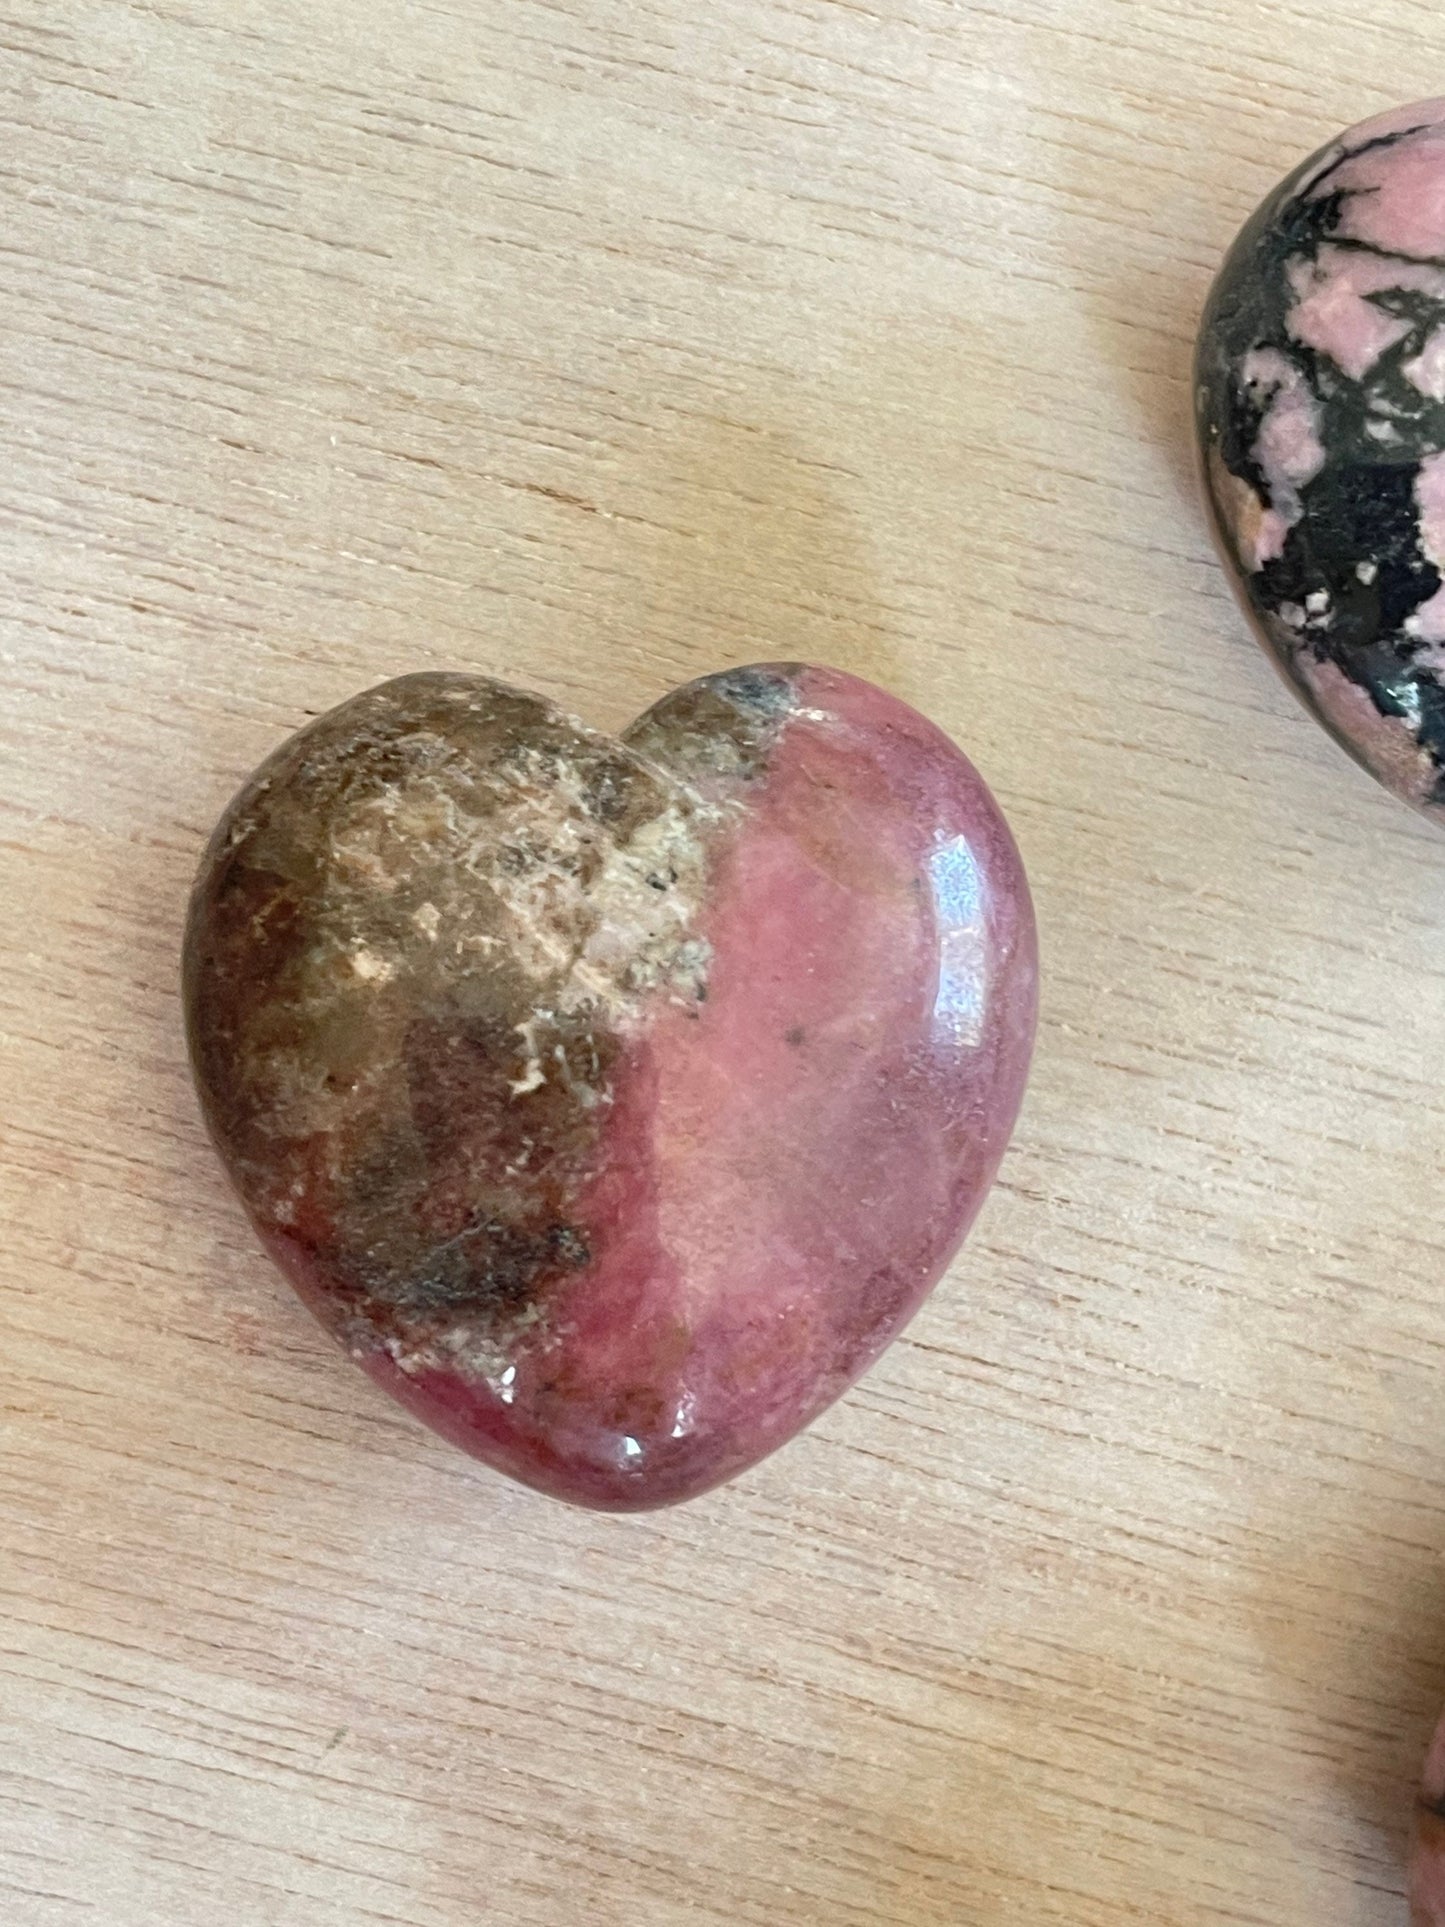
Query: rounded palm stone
{"points": [[614, 1102], [1321, 417]]}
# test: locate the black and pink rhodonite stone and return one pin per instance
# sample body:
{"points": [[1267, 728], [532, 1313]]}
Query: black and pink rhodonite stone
{"points": [[1321, 415], [614, 1102]]}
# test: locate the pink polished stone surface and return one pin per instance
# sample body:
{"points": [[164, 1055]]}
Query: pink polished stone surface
{"points": [[683, 1139]]}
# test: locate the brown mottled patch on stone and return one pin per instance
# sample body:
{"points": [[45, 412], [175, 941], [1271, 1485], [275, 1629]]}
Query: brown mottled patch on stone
{"points": [[418, 940]]}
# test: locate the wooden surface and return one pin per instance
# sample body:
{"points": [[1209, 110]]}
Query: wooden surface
{"points": [[598, 343]]}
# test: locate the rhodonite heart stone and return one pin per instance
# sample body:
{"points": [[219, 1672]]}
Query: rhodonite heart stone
{"points": [[1321, 416], [614, 1102]]}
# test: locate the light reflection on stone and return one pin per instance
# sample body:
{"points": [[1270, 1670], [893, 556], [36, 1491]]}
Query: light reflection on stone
{"points": [[963, 965]]}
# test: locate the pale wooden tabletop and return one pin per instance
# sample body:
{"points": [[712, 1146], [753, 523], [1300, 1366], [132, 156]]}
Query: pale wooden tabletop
{"points": [[596, 344]]}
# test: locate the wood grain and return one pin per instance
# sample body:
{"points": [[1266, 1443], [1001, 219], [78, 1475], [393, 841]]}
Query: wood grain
{"points": [[597, 345]]}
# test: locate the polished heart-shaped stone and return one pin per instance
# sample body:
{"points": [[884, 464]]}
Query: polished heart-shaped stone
{"points": [[614, 1102], [1321, 414]]}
